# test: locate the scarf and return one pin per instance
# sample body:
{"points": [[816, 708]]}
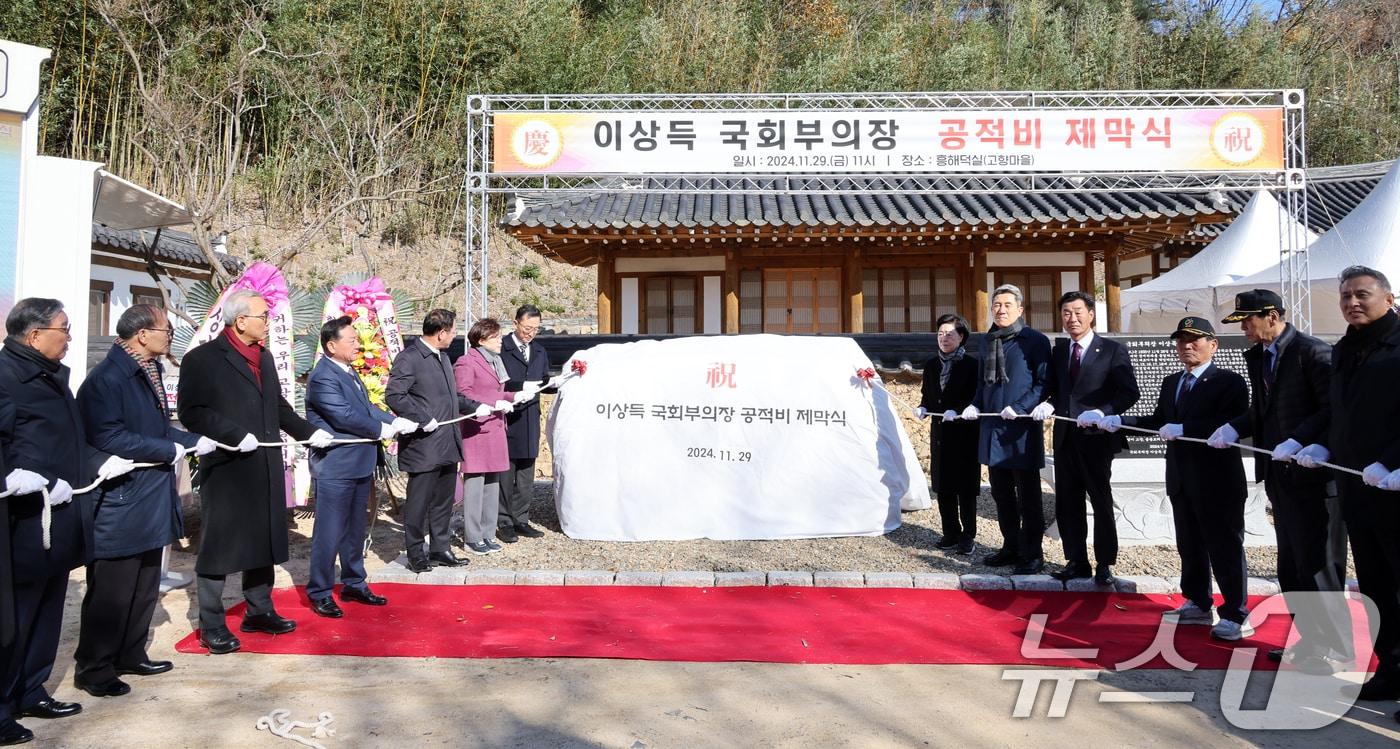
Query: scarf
{"points": [[251, 353], [947, 370], [994, 365], [494, 360], [1356, 346], [151, 368], [19, 348]]}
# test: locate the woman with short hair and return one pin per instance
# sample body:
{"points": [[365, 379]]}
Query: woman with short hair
{"points": [[950, 382]]}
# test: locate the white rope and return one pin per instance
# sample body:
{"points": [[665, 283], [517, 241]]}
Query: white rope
{"points": [[279, 723]]}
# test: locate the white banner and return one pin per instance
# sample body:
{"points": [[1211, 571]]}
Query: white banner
{"points": [[729, 437]]}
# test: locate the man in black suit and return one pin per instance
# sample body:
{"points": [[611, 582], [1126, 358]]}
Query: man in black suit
{"points": [[422, 389], [1290, 373], [1206, 487], [229, 392], [1090, 377], [527, 366]]}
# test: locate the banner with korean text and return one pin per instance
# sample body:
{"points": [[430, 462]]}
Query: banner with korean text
{"points": [[1208, 139], [729, 437]]}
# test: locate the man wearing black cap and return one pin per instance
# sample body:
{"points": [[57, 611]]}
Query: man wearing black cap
{"points": [[1206, 486], [1289, 373]]}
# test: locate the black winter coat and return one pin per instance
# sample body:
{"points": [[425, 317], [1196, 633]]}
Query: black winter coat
{"points": [[953, 444]]}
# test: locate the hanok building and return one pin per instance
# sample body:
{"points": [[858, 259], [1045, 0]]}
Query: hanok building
{"points": [[817, 263]]}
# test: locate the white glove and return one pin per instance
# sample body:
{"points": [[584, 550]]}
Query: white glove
{"points": [[531, 387], [205, 446], [1170, 432], [320, 438], [1391, 482], [504, 407], [248, 444], [1111, 424], [482, 411], [950, 415], [1220, 438], [970, 413], [1008, 413], [400, 425], [386, 431], [1043, 411], [921, 413], [21, 481], [114, 466], [180, 452], [1373, 474], [554, 382], [1286, 449], [1090, 418], [60, 493], [525, 396], [1311, 455], [432, 425]]}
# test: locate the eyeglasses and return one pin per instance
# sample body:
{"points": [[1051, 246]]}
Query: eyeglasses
{"points": [[66, 330], [166, 331], [262, 317]]}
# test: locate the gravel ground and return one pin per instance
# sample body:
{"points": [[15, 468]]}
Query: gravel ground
{"points": [[907, 549]]}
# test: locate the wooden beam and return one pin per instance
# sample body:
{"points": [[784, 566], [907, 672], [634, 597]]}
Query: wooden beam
{"points": [[855, 294], [606, 280], [980, 300], [730, 322], [1111, 291]]}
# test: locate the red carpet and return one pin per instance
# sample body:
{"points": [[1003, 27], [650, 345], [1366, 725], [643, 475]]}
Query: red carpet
{"points": [[766, 624]]}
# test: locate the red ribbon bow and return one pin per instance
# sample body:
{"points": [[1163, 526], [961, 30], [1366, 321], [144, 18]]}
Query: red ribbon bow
{"points": [[579, 367], [866, 374]]}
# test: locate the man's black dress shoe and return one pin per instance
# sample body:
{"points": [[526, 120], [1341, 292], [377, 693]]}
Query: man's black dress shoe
{"points": [[507, 534], [1002, 558], [112, 688], [529, 531], [362, 595], [1104, 575], [1072, 572], [270, 623], [219, 642], [1033, 566], [12, 733], [446, 558], [326, 607], [50, 708], [145, 668], [1275, 655], [419, 565]]}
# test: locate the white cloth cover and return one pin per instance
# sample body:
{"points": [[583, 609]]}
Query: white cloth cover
{"points": [[729, 437]]}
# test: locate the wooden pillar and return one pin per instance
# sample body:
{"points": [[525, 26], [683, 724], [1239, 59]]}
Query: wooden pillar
{"points": [[855, 292], [1111, 289], [731, 293], [607, 283], [980, 301]]}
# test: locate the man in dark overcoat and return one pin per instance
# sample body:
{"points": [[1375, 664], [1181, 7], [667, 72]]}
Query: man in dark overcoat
{"points": [[527, 366], [1015, 367], [1090, 378], [125, 413], [1289, 374], [42, 432], [229, 392]]}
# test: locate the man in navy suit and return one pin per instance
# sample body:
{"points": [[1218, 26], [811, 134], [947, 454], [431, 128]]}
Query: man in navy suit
{"points": [[1206, 486], [527, 366], [1090, 377], [341, 474]]}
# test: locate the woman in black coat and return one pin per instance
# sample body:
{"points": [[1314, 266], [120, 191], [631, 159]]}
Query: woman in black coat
{"points": [[950, 383]]}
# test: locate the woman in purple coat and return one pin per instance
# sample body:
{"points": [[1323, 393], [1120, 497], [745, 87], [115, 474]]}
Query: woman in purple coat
{"points": [[480, 376]]}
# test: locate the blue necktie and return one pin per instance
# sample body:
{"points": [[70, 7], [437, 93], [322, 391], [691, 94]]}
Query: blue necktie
{"points": [[1186, 382]]}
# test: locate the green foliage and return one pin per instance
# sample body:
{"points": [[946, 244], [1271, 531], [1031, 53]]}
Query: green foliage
{"points": [[530, 272]]}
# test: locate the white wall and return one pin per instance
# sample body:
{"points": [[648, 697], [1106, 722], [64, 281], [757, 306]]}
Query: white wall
{"points": [[122, 280]]}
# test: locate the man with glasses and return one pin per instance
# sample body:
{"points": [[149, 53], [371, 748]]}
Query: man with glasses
{"points": [[41, 432], [527, 366], [125, 413], [229, 391]]}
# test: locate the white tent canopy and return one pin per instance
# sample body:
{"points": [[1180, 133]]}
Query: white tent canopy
{"points": [[1251, 242], [1369, 235]]}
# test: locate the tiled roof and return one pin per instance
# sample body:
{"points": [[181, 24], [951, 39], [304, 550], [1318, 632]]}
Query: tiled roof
{"points": [[174, 246], [1333, 192]]}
